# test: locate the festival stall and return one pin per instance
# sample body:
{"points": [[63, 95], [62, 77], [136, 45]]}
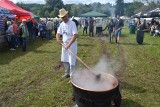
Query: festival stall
{"points": [[19, 12], [4, 13]]}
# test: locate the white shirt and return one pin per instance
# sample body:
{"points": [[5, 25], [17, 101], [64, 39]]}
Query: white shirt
{"points": [[68, 30]]}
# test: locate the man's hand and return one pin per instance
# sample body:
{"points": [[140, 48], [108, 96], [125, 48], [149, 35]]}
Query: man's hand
{"points": [[66, 46]]}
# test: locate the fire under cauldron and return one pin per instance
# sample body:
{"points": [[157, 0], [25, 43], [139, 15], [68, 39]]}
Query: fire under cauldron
{"points": [[89, 91]]}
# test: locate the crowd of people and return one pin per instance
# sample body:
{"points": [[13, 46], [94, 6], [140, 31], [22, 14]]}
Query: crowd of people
{"points": [[153, 26], [114, 29], [18, 33], [113, 26]]}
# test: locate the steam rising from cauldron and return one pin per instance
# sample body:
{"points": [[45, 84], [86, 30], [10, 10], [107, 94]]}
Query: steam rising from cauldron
{"points": [[104, 66], [87, 79]]}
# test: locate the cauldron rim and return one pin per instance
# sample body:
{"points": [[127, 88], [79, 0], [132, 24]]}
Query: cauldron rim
{"points": [[97, 90]]}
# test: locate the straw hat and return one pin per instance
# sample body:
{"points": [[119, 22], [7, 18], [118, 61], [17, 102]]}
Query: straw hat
{"points": [[62, 12]]}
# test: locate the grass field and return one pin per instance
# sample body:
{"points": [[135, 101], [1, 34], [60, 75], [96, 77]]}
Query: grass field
{"points": [[33, 78]]}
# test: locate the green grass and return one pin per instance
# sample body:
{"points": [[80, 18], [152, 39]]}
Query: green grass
{"points": [[31, 79], [141, 77]]}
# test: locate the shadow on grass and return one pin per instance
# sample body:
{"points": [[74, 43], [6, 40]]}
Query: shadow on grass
{"points": [[134, 88], [7, 56], [130, 103]]}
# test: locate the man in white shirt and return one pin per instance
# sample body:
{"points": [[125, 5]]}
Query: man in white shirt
{"points": [[68, 30]]}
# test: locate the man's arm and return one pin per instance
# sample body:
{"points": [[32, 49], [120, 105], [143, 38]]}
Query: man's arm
{"points": [[59, 41]]}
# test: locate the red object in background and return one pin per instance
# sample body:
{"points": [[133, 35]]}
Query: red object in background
{"points": [[19, 12], [25, 17]]}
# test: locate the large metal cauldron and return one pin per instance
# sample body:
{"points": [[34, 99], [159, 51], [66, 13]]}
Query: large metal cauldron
{"points": [[92, 92]]}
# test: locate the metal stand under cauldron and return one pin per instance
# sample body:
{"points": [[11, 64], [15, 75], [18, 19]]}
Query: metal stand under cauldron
{"points": [[90, 98]]}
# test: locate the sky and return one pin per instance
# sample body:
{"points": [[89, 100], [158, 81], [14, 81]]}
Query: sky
{"points": [[71, 1]]}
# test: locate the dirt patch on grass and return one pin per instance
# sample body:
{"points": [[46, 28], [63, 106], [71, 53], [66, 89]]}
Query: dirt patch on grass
{"points": [[58, 66]]}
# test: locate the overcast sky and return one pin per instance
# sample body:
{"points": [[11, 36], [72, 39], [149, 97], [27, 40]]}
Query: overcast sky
{"points": [[71, 1]]}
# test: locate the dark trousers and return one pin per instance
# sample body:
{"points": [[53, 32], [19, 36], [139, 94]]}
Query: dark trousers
{"points": [[110, 32], [42, 34], [13, 43], [91, 30], [23, 43], [49, 34], [85, 29], [55, 31], [31, 35], [16, 40], [20, 40]]}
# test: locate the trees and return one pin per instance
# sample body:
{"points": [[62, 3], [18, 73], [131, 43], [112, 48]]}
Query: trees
{"points": [[52, 7], [23, 6], [151, 4], [143, 6], [131, 8], [119, 8], [54, 3]]}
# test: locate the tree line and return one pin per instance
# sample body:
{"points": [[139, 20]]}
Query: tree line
{"points": [[51, 7]]}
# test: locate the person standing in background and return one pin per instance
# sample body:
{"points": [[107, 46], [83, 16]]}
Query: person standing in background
{"points": [[110, 27], [49, 27], [56, 25], [85, 26], [69, 33], [76, 22], [91, 27], [15, 29], [29, 24], [118, 28], [25, 33], [10, 36], [40, 29]]}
